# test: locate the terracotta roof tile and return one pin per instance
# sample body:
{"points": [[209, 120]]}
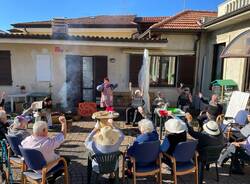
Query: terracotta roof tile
{"points": [[188, 19], [92, 20]]}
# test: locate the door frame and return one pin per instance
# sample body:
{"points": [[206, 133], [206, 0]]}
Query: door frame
{"points": [[94, 65], [247, 75]]}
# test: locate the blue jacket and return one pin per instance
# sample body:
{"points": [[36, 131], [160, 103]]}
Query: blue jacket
{"points": [[152, 136]]}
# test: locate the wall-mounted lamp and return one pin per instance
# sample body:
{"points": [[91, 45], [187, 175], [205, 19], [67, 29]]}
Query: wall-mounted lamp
{"points": [[112, 60]]}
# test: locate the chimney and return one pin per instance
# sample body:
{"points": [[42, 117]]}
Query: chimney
{"points": [[59, 28]]}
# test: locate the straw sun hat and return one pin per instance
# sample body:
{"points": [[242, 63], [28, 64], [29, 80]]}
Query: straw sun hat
{"points": [[175, 126], [211, 128], [107, 136]]}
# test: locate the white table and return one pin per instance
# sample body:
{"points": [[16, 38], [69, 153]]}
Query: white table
{"points": [[13, 96]]}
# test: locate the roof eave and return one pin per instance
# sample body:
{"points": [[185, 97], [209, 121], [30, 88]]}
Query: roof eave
{"points": [[226, 16], [31, 26], [176, 30], [79, 38]]}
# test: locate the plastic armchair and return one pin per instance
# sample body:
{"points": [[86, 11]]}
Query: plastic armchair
{"points": [[184, 160], [36, 162], [15, 158], [146, 161], [107, 163], [209, 155]]}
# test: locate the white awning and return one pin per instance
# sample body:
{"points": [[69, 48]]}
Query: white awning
{"points": [[239, 47]]}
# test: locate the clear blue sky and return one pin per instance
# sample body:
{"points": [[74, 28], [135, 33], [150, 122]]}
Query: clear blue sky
{"points": [[13, 11]]}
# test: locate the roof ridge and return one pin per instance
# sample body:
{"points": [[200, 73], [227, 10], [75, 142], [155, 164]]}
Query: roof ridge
{"points": [[178, 15], [154, 16], [202, 11], [168, 20], [50, 20]]}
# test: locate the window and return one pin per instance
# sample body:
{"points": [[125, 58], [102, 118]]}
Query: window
{"points": [[135, 63], [5, 69], [218, 62], [43, 68], [162, 70]]}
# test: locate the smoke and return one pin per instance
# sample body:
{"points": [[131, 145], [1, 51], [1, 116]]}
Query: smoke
{"points": [[70, 92], [62, 94]]}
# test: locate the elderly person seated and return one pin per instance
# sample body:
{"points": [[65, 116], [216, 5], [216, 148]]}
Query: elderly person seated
{"points": [[148, 133], [210, 136], [185, 100], [160, 101], [136, 105], [3, 124], [210, 114], [240, 133], [237, 151], [240, 140], [103, 140], [40, 141], [18, 128], [213, 102], [175, 133]]}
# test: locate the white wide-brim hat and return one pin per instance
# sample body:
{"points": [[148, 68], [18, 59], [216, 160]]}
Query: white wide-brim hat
{"points": [[175, 126], [107, 136], [211, 128]]}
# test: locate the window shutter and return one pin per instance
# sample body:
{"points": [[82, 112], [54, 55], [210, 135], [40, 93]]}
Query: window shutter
{"points": [[135, 63], [5, 69], [186, 70]]}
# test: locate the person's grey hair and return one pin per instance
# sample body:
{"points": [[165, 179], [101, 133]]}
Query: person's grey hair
{"points": [[2, 113], [39, 127], [146, 126]]}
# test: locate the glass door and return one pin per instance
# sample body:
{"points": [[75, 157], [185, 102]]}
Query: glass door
{"points": [[88, 81]]}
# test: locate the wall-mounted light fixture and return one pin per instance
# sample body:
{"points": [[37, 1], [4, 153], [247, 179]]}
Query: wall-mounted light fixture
{"points": [[112, 60]]}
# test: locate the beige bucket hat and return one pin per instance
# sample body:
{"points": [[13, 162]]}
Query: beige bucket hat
{"points": [[107, 136]]}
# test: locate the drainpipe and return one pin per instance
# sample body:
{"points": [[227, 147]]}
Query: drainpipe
{"points": [[197, 53]]}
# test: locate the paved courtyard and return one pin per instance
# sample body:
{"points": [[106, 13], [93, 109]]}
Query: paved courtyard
{"points": [[75, 149]]}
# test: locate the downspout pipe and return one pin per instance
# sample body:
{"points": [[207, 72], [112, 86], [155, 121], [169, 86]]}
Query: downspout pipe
{"points": [[197, 46]]}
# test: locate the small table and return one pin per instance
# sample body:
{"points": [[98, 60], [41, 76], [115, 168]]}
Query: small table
{"points": [[36, 95], [13, 96], [173, 112]]}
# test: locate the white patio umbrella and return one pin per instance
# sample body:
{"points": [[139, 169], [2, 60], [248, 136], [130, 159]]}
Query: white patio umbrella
{"points": [[143, 80]]}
